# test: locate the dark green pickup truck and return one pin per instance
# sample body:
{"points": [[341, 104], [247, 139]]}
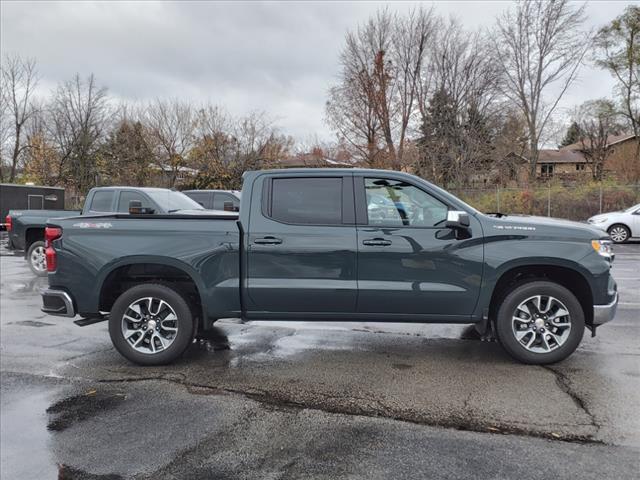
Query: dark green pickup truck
{"points": [[333, 244]]}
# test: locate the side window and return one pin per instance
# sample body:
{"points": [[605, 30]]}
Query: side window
{"points": [[126, 196], [101, 201], [396, 203], [219, 200], [203, 198], [309, 201]]}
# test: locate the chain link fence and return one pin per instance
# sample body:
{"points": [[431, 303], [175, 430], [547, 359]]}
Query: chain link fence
{"points": [[577, 202]]}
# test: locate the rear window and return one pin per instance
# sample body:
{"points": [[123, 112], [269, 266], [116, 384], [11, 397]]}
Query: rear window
{"points": [[127, 196], [102, 201], [220, 199], [203, 198], [310, 201]]}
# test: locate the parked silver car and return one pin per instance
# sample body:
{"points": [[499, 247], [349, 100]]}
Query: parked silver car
{"points": [[621, 226]]}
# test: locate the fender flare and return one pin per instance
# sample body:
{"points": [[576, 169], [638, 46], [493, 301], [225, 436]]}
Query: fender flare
{"points": [[157, 260]]}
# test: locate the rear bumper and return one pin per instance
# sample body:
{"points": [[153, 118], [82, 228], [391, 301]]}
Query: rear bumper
{"points": [[57, 302], [605, 313]]}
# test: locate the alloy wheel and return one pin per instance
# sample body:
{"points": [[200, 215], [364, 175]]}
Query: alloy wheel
{"points": [[38, 259], [541, 323], [618, 234], [149, 325]]}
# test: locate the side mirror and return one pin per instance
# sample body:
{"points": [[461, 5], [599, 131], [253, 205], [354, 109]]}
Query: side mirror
{"points": [[135, 208], [458, 220]]}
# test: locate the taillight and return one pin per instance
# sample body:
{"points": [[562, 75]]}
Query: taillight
{"points": [[8, 222], [51, 234]]}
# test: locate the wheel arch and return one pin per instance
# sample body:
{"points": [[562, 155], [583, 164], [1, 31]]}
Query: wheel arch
{"points": [[31, 236], [567, 276], [129, 271]]}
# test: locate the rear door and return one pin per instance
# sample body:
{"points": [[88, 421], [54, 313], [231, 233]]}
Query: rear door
{"points": [[302, 248], [409, 263]]}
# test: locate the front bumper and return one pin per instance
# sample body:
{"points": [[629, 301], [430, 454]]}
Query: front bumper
{"points": [[605, 313], [57, 302]]}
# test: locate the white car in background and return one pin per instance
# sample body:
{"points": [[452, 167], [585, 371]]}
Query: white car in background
{"points": [[620, 226]]}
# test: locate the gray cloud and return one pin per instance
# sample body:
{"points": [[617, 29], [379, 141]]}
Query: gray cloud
{"points": [[277, 57]]}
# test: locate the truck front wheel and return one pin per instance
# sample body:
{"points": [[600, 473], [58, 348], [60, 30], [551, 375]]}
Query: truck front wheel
{"points": [[151, 324], [540, 322]]}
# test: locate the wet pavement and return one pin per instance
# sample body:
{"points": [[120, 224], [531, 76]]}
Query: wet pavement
{"points": [[292, 400]]}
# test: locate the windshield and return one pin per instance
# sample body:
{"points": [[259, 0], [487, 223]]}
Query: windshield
{"points": [[633, 209], [171, 201]]}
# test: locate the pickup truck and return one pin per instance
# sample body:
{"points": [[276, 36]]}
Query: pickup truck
{"points": [[320, 244], [26, 227]]}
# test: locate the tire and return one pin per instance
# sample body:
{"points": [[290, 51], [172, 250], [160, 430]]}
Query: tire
{"points": [[518, 337], [36, 259], [157, 344], [619, 233]]}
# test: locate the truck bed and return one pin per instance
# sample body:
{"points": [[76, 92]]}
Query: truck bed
{"points": [[205, 246]]}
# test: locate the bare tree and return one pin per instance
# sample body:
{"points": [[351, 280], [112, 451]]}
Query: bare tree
{"points": [[539, 46], [41, 157], [352, 117], [460, 117], [377, 97], [618, 51], [598, 120], [225, 146], [19, 80], [78, 118], [171, 124]]}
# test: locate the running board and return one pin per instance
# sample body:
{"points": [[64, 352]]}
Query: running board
{"points": [[83, 322]]}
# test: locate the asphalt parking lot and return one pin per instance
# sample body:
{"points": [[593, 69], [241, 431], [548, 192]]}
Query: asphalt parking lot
{"points": [[304, 400]]}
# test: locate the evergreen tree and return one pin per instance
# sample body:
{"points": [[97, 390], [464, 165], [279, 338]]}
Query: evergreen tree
{"points": [[573, 135], [440, 135]]}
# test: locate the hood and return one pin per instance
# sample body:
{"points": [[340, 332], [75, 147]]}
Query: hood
{"points": [[546, 226], [601, 216]]}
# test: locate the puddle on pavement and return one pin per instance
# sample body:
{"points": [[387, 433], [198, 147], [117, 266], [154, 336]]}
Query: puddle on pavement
{"points": [[24, 438], [260, 340], [31, 286]]}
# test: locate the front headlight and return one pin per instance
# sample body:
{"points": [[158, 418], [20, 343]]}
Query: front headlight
{"points": [[603, 247], [598, 220]]}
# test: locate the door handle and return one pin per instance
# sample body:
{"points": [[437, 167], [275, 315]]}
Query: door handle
{"points": [[268, 241], [377, 242]]}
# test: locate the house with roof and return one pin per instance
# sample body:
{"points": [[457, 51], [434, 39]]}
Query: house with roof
{"points": [[573, 162]]}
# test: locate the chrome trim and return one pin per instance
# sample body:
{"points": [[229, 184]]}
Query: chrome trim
{"points": [[69, 311], [605, 313]]}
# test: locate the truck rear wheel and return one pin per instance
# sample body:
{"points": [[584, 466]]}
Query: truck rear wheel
{"points": [[151, 324], [37, 259], [540, 322]]}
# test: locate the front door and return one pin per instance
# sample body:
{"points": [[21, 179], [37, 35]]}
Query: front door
{"points": [[408, 261], [301, 250]]}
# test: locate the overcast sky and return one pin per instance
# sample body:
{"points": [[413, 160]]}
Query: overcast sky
{"points": [[276, 57]]}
